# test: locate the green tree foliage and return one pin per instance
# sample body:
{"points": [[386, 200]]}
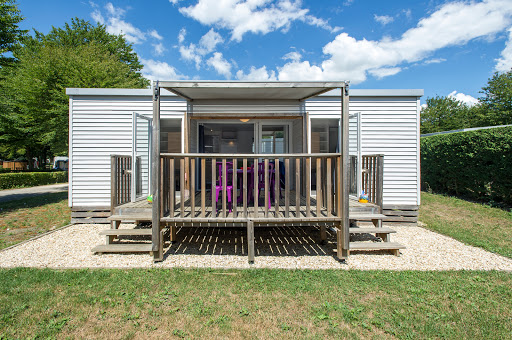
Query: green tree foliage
{"points": [[497, 100], [10, 34], [34, 112], [444, 114]]}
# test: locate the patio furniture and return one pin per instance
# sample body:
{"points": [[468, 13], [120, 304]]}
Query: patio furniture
{"points": [[229, 183]]}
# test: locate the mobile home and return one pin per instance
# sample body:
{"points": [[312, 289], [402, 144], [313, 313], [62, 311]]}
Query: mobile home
{"points": [[244, 153]]}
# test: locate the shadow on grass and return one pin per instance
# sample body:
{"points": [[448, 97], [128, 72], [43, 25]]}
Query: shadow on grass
{"points": [[32, 202]]}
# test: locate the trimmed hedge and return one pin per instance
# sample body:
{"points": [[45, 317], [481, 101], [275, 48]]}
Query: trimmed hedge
{"points": [[473, 164], [31, 179]]}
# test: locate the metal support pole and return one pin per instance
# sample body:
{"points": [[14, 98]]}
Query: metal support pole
{"points": [[156, 245], [344, 236]]}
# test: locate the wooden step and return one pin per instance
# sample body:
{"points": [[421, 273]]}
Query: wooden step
{"points": [[130, 217], [371, 231], [136, 232], [123, 248], [365, 217], [375, 246]]}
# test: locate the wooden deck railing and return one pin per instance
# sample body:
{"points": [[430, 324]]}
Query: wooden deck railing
{"points": [[196, 177], [120, 180], [373, 177]]}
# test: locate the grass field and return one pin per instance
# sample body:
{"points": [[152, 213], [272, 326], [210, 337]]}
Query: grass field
{"points": [[472, 223], [127, 304], [25, 218], [254, 304]]}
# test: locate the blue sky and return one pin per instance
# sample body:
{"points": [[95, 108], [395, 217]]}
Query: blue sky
{"points": [[443, 47]]}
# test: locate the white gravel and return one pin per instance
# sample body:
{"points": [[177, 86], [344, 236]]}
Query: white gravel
{"points": [[293, 248]]}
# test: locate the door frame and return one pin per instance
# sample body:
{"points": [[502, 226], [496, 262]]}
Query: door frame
{"points": [[136, 115]]}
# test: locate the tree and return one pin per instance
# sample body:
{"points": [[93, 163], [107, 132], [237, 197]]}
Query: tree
{"points": [[444, 114], [34, 112], [10, 34], [497, 100], [81, 32]]}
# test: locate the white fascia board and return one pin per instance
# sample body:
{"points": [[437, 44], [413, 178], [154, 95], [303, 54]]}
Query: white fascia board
{"points": [[377, 93]]}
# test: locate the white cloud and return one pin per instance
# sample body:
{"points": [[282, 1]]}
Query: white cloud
{"points": [[195, 53], [350, 59], [384, 72], [257, 74], [293, 56], [505, 62], [210, 40], [159, 70], [159, 49], [465, 98], [434, 61], [132, 34], [221, 65], [181, 35], [155, 35], [116, 25], [174, 2], [383, 19], [96, 15], [407, 13], [255, 16], [189, 53]]}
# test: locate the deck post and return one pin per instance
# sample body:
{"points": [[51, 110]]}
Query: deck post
{"points": [[343, 195], [250, 240], [156, 246]]}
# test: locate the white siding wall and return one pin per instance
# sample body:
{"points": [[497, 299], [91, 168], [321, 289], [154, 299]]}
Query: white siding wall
{"points": [[237, 107], [101, 126], [389, 127]]}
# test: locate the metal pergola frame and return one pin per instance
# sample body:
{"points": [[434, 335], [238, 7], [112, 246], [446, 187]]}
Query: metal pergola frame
{"points": [[299, 91]]}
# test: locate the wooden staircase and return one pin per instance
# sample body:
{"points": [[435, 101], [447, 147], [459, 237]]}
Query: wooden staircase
{"points": [[381, 233], [114, 232]]}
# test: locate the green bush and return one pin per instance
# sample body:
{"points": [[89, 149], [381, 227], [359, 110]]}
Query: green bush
{"points": [[31, 179], [473, 164]]}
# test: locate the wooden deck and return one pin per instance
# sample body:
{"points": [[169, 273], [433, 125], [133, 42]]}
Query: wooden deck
{"points": [[143, 208]]}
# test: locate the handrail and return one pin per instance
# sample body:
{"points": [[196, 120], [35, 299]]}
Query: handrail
{"points": [[289, 172], [249, 155]]}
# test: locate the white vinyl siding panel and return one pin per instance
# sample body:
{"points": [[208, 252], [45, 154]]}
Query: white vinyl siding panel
{"points": [[389, 127], [102, 126], [237, 107]]}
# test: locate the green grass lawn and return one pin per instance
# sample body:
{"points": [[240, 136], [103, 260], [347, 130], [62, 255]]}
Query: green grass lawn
{"points": [[125, 304], [25, 218], [254, 304], [472, 223]]}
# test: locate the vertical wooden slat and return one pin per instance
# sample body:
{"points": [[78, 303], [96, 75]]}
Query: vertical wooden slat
{"points": [[192, 176], [338, 186], [118, 184], [214, 179], [234, 194], [276, 187], [203, 186], [244, 187], [161, 187], [308, 186], [172, 187], [297, 187], [328, 186], [286, 187], [374, 180], [318, 186], [265, 199], [224, 186], [380, 181], [182, 187], [256, 189], [113, 183]]}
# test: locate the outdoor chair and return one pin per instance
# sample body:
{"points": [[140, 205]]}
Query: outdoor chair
{"points": [[229, 183]]}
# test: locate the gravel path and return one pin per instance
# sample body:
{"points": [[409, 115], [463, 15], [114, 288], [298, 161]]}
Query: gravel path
{"points": [[294, 248]]}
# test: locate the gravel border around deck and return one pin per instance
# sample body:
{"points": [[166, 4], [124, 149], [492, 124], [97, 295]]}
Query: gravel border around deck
{"points": [[295, 248]]}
